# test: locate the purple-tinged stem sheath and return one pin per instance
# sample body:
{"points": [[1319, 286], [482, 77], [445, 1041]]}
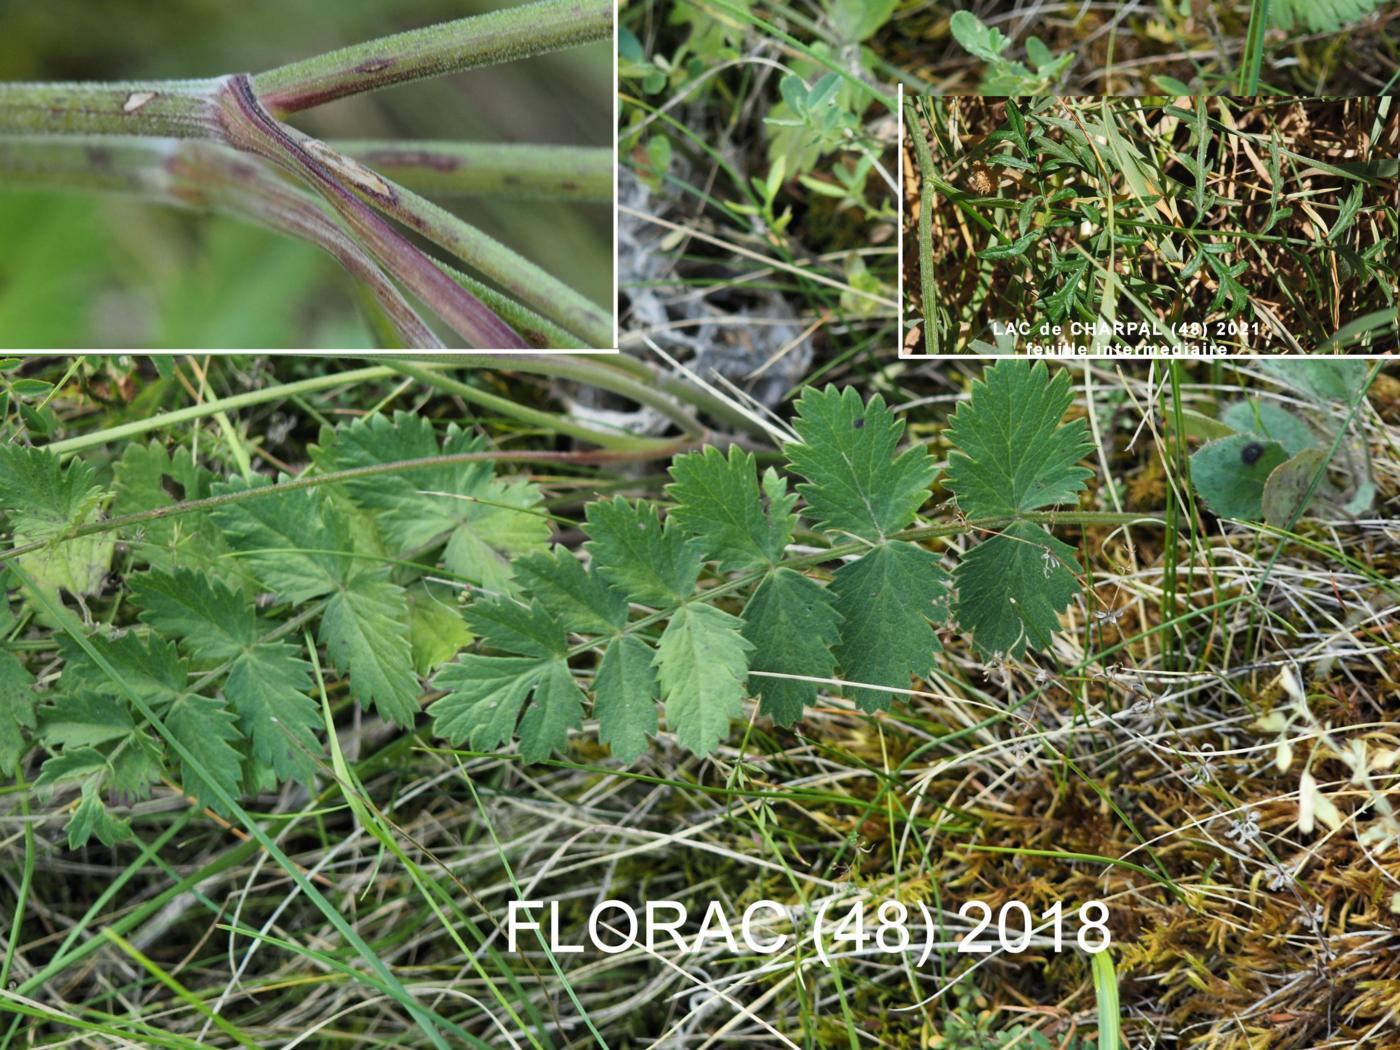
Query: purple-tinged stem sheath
{"points": [[467, 43], [248, 126]]}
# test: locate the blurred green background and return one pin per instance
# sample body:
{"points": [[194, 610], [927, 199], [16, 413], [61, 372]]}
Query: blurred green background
{"points": [[102, 271]]}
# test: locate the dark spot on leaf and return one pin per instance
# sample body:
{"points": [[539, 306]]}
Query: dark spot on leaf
{"points": [[410, 158], [569, 185], [173, 488], [859, 423], [1250, 453], [100, 157]]}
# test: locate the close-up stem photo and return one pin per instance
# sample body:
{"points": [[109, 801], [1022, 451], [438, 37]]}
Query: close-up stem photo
{"points": [[969, 705], [295, 176], [1216, 225]]}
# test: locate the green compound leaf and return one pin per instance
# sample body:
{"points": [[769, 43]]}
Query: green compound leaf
{"points": [[209, 730], [365, 631], [624, 697], [147, 478], [486, 521], [556, 708], [16, 711], [718, 501], [856, 484], [1012, 452], [91, 819], [42, 499], [526, 630], [887, 598], [701, 664], [792, 625], [486, 693], [1320, 16], [578, 596], [634, 552], [1230, 474], [484, 697], [268, 683], [291, 541], [1012, 588]]}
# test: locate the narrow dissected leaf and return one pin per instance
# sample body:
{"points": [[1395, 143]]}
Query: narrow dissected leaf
{"points": [[646, 560], [16, 711], [527, 630], [718, 501], [887, 598], [1012, 454], [624, 697], [578, 596], [483, 700], [365, 631], [792, 625], [91, 819], [42, 499], [1012, 588], [291, 541], [701, 664], [485, 520], [855, 482], [73, 763], [1230, 474], [555, 708]]}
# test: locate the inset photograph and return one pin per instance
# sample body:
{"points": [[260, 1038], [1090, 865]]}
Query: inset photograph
{"points": [[1196, 227], [195, 176]]}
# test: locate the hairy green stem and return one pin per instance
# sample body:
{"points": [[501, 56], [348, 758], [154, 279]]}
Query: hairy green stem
{"points": [[169, 108], [495, 169], [500, 36], [651, 450]]}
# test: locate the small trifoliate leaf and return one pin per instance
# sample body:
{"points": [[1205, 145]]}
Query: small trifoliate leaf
{"points": [[701, 664], [208, 730], [1272, 422], [634, 552], [1012, 453], [526, 630], [624, 697], [979, 40], [1230, 474], [856, 485], [887, 598], [555, 708], [1012, 588], [578, 596], [365, 631], [792, 625], [42, 499], [718, 502], [288, 540], [484, 697], [16, 711]]}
